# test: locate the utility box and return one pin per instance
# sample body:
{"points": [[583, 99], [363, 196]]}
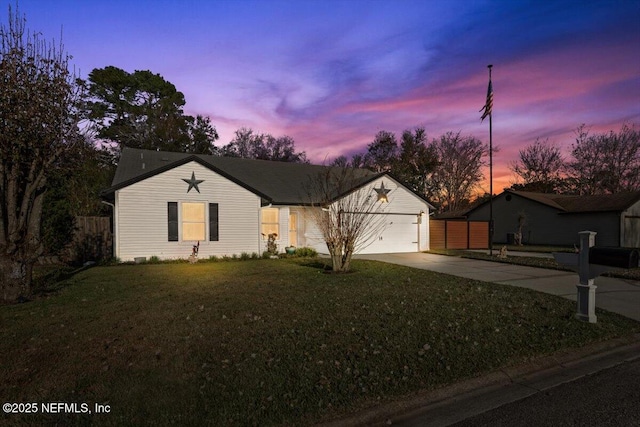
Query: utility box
{"points": [[614, 257]]}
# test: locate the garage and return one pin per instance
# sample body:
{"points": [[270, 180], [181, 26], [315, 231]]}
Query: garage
{"points": [[404, 215], [401, 233]]}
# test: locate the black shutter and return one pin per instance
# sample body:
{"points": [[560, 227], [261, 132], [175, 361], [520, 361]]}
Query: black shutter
{"points": [[172, 211], [213, 222]]}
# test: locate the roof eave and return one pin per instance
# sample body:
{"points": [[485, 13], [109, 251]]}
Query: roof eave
{"points": [[180, 162]]}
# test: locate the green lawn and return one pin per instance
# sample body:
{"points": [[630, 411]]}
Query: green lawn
{"points": [[268, 342]]}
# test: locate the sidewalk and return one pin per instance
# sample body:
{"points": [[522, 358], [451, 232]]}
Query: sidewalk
{"points": [[616, 295]]}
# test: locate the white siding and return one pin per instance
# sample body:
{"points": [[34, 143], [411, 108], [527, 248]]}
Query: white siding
{"points": [[311, 235], [630, 227], [141, 215], [308, 235], [403, 230]]}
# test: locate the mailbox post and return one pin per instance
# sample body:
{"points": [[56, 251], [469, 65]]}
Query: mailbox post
{"points": [[586, 288], [591, 262]]}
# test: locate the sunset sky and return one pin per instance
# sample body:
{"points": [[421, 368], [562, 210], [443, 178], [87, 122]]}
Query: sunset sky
{"points": [[331, 74]]}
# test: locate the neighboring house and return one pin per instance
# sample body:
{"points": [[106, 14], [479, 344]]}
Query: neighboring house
{"points": [[163, 203], [554, 219]]}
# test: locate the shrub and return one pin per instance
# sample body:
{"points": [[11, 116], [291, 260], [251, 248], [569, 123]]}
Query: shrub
{"points": [[111, 261], [306, 252]]}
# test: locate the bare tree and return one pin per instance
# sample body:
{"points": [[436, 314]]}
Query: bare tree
{"points": [[246, 144], [251, 145], [606, 163], [341, 162], [459, 170], [540, 166], [348, 216], [38, 124], [356, 161], [283, 149], [522, 221]]}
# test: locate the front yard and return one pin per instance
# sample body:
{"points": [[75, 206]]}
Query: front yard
{"points": [[268, 342]]}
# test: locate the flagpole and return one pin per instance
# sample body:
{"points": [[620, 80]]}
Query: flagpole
{"points": [[491, 229]]}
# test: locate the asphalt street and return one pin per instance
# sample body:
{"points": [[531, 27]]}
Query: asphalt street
{"points": [[610, 397]]}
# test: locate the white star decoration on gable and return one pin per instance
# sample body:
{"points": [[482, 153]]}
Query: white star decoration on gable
{"points": [[382, 193], [193, 182]]}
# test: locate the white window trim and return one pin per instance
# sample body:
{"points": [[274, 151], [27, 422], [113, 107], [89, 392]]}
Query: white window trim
{"points": [[277, 223], [206, 222]]}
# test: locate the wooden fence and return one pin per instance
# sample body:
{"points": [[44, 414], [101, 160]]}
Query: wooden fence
{"points": [[458, 234], [92, 239]]}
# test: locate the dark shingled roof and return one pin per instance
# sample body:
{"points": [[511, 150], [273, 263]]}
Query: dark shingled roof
{"points": [[276, 182], [575, 204], [568, 204]]}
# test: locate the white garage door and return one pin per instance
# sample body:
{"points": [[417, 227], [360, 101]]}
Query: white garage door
{"points": [[399, 235]]}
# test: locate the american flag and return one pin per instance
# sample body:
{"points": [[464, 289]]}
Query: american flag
{"points": [[488, 106]]}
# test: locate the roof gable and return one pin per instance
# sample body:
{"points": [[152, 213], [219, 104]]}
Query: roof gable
{"points": [[129, 172], [277, 182], [552, 200]]}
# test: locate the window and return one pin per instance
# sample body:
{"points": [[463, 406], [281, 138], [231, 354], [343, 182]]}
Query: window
{"points": [[270, 221], [193, 221]]}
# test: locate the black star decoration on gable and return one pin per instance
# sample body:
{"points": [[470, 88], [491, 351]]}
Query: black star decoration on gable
{"points": [[382, 193], [193, 182]]}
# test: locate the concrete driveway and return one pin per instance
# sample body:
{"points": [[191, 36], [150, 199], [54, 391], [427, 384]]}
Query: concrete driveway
{"points": [[617, 295]]}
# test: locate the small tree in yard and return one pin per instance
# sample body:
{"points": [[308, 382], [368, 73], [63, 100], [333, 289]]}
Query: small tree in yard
{"points": [[347, 219], [522, 221], [38, 124]]}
